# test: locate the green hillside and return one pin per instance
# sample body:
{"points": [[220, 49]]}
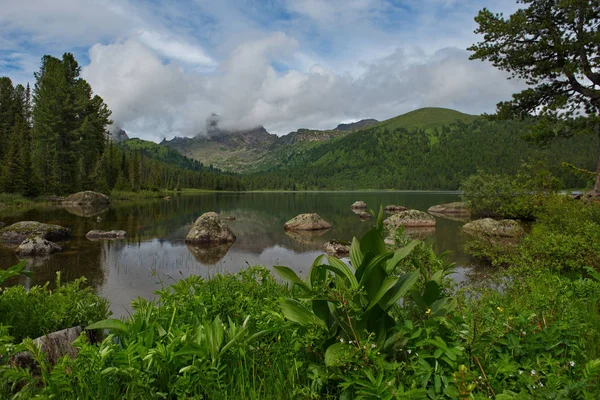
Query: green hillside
{"points": [[427, 119], [382, 157], [162, 153]]}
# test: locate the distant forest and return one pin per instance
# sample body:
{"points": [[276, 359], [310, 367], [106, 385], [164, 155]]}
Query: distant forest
{"points": [[54, 141], [435, 159]]}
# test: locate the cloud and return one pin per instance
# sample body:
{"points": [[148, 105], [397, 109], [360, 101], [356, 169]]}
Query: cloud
{"points": [[153, 99]]}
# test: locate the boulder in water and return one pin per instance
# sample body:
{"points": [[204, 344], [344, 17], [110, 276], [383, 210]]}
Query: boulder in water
{"points": [[210, 228], [456, 208], [365, 215], [410, 218], [359, 205], [337, 248], [20, 231], [86, 198], [95, 235], [307, 222], [37, 247], [508, 228]]}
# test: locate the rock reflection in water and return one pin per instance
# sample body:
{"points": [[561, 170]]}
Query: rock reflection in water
{"points": [[306, 237], [87, 211], [209, 254], [419, 233]]}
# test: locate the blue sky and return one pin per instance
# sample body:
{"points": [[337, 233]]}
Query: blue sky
{"points": [[164, 66]]}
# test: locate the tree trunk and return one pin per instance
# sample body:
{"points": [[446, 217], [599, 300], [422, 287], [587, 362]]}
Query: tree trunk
{"points": [[596, 191]]}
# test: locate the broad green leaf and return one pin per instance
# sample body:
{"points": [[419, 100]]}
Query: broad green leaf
{"points": [[110, 324], [321, 310], [356, 256], [289, 275], [400, 255], [340, 268], [296, 312], [338, 354], [404, 284], [387, 284], [376, 261], [316, 275], [431, 293], [373, 242]]}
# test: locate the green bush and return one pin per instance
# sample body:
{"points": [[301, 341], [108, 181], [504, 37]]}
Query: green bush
{"points": [[40, 310]]}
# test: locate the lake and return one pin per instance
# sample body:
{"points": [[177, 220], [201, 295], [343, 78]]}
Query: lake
{"points": [[155, 252]]}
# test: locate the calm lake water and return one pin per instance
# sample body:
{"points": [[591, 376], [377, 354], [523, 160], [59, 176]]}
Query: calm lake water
{"points": [[155, 252]]}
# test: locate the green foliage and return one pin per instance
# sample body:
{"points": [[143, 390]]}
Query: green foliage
{"points": [[519, 196], [40, 310]]}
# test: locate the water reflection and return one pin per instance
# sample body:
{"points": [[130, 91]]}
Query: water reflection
{"points": [[155, 251], [307, 237], [92, 210]]}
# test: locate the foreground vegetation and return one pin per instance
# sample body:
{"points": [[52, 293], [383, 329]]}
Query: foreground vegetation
{"points": [[392, 325]]}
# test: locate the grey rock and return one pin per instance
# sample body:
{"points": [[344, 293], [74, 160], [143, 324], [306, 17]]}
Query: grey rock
{"points": [[54, 345], [490, 227], [20, 231], [96, 234], [307, 222], [37, 247], [410, 218], [210, 228], [365, 215]]}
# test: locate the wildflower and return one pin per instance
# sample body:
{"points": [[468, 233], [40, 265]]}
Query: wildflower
{"points": [[373, 346], [572, 363], [520, 372], [342, 340], [350, 342], [409, 351], [523, 333], [389, 383], [378, 353], [533, 372], [541, 384], [480, 377], [428, 311], [417, 354], [500, 309]]}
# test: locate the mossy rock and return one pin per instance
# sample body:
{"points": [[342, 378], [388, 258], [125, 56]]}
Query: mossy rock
{"points": [[337, 248], [18, 232], [210, 228], [359, 205], [456, 208], [98, 235], [307, 222], [86, 198], [410, 218], [37, 247], [508, 228]]}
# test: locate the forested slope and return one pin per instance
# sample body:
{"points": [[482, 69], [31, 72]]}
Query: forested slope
{"points": [[419, 159]]}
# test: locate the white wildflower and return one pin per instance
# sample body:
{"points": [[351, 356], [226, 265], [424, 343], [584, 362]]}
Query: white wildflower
{"points": [[520, 372], [572, 363], [342, 340], [533, 372], [409, 351], [373, 346]]}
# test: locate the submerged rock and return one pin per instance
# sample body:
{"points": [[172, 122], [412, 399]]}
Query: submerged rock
{"points": [[209, 254], [307, 222], [359, 205], [210, 228], [94, 235], [37, 247], [337, 247], [456, 208], [86, 198], [420, 233], [490, 227], [228, 218], [20, 231], [410, 218], [394, 208]]}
